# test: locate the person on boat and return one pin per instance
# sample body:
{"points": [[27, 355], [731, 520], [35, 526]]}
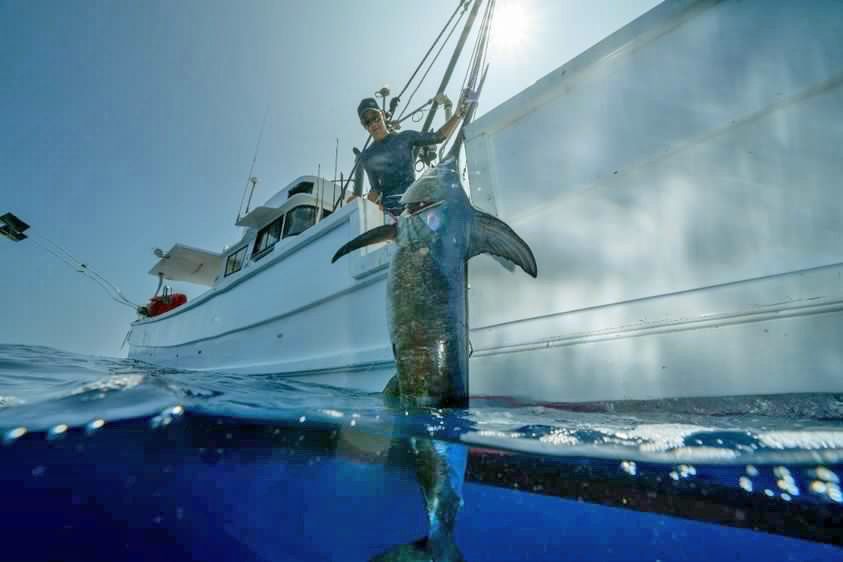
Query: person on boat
{"points": [[389, 161]]}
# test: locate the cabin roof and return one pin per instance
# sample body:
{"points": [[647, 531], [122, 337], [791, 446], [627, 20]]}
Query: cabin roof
{"points": [[261, 216], [183, 263]]}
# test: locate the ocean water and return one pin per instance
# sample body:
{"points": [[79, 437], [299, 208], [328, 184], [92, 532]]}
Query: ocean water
{"points": [[110, 459]]}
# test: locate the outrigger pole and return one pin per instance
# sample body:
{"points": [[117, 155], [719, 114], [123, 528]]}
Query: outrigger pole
{"points": [[453, 62], [13, 228]]}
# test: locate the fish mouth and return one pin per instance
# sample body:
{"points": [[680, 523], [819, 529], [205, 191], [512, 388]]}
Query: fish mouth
{"points": [[417, 207]]}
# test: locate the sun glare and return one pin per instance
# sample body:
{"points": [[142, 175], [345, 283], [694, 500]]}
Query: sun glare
{"points": [[510, 26]]}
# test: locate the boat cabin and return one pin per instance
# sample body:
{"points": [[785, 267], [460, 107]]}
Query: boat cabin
{"points": [[292, 210]]}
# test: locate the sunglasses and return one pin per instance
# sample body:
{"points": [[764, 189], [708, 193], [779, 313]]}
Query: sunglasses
{"points": [[370, 117]]}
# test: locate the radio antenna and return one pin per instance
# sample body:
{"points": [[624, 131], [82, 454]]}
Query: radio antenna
{"points": [[251, 181]]}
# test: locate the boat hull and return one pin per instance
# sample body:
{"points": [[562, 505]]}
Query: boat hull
{"points": [[291, 312], [679, 184]]}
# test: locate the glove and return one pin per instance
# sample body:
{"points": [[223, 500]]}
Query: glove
{"points": [[467, 100]]}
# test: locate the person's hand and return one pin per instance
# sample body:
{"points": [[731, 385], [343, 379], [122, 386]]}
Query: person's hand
{"points": [[441, 99], [467, 100], [351, 198]]}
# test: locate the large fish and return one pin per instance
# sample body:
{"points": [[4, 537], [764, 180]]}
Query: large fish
{"points": [[428, 318], [428, 324]]}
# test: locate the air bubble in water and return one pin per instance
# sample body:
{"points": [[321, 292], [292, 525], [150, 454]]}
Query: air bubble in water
{"points": [[57, 431], [13, 435], [629, 467]]}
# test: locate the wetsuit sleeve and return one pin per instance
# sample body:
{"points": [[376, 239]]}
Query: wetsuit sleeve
{"points": [[424, 139]]}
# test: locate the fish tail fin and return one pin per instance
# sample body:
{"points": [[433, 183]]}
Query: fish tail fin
{"points": [[441, 549], [444, 548]]}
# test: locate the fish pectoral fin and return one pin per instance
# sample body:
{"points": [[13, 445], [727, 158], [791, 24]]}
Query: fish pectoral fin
{"points": [[490, 235], [383, 233]]}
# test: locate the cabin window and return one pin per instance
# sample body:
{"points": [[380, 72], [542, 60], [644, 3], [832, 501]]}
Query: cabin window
{"points": [[267, 237], [303, 187], [299, 220], [234, 262]]}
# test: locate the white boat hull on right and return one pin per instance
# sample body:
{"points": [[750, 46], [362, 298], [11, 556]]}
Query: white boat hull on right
{"points": [[680, 185]]}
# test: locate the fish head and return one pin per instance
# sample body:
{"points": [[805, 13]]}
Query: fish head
{"points": [[436, 208], [437, 185]]}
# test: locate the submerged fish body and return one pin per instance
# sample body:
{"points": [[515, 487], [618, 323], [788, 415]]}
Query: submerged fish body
{"points": [[427, 308]]}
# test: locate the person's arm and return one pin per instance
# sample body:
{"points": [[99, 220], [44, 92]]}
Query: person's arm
{"points": [[373, 195], [451, 124], [358, 180]]}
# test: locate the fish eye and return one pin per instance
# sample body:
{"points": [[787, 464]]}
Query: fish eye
{"points": [[419, 206]]}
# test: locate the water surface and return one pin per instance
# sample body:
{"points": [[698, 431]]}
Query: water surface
{"points": [[113, 459]]}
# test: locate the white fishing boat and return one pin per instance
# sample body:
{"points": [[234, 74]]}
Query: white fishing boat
{"points": [[679, 184], [275, 302]]}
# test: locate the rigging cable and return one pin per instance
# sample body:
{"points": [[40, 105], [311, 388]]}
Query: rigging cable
{"points": [[481, 48], [351, 175], [69, 259], [469, 86], [462, 4], [430, 66]]}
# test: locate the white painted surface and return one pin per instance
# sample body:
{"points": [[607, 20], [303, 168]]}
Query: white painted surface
{"points": [[291, 311], [695, 148]]}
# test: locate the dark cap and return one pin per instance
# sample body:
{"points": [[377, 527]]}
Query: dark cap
{"points": [[367, 104]]}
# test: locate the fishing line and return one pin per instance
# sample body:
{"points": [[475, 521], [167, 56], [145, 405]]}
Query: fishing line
{"points": [[79, 266]]}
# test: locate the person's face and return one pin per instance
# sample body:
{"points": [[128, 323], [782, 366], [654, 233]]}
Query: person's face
{"points": [[373, 122]]}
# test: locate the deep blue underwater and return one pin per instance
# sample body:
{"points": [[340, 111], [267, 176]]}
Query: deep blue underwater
{"points": [[110, 459]]}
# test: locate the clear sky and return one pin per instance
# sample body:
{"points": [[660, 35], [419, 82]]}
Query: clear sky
{"points": [[127, 126]]}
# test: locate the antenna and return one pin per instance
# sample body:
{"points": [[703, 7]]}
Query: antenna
{"points": [[319, 192], [336, 159], [251, 178], [383, 93], [254, 181]]}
